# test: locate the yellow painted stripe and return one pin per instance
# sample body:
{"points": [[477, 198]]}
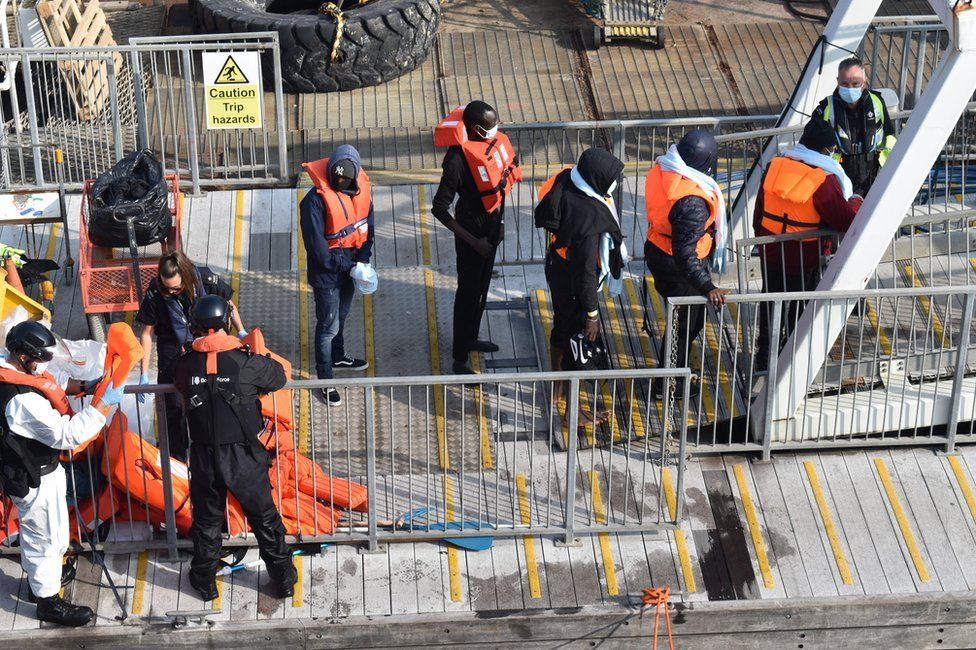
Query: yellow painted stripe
{"points": [[679, 535], [531, 566], [130, 317], [139, 589], [926, 304], [435, 369], [967, 492], [370, 343], [487, 462], [238, 246], [623, 363], [875, 323], [52, 241], [609, 570], [712, 334], [828, 521], [304, 404], [906, 529], [757, 540], [637, 317], [453, 567], [299, 596], [218, 602], [424, 224]]}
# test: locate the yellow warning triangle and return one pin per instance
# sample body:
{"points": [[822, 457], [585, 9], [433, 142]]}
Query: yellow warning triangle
{"points": [[230, 73]]}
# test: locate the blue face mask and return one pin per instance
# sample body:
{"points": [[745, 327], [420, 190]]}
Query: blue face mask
{"points": [[850, 95]]}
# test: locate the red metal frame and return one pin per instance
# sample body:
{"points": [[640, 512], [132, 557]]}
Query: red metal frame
{"points": [[107, 278]]}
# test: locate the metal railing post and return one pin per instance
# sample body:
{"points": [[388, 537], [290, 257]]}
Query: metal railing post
{"points": [[283, 171], [573, 408], [962, 356], [142, 127], [771, 369], [373, 545], [191, 121], [169, 508], [620, 151], [113, 103], [682, 450], [32, 119]]}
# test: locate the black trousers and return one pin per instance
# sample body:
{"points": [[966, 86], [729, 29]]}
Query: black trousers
{"points": [[568, 317], [474, 278], [166, 356], [689, 319], [243, 472], [776, 280]]}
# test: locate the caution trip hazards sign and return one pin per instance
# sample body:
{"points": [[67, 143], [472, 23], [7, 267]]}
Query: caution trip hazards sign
{"points": [[232, 86]]}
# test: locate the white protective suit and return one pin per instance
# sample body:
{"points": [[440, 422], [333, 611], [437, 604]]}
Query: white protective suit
{"points": [[43, 513]]}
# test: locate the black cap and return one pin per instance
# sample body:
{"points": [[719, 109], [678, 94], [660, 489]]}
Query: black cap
{"points": [[699, 150], [31, 338], [818, 135], [209, 314]]}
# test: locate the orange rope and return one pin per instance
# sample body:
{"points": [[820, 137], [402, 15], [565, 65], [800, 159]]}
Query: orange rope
{"points": [[658, 598]]}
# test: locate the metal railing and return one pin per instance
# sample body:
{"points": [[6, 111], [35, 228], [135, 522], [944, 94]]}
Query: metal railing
{"points": [[464, 460], [96, 103], [901, 371]]}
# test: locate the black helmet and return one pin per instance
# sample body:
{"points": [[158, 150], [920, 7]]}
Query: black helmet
{"points": [[33, 339], [699, 151], [209, 314], [587, 354]]}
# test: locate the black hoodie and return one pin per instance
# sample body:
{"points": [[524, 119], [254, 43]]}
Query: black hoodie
{"points": [[578, 220]]}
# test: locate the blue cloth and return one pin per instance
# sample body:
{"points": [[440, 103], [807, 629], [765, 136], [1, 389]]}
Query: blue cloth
{"points": [[329, 267], [178, 317], [331, 308]]}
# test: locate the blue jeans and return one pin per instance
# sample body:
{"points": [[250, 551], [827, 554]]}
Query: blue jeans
{"points": [[331, 308]]}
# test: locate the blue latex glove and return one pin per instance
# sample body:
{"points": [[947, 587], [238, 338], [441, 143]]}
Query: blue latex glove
{"points": [[241, 334], [143, 380], [112, 395]]}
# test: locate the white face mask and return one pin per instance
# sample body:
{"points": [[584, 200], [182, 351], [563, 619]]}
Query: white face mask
{"points": [[612, 187], [490, 133], [41, 367]]}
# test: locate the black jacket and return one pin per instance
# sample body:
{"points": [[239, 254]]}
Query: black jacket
{"points": [[456, 180], [153, 309], [223, 409], [578, 221], [688, 217]]}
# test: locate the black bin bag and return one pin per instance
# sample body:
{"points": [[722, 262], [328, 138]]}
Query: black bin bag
{"points": [[135, 187]]}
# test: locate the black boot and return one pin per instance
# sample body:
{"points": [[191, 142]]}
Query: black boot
{"points": [[284, 580], [206, 587], [57, 610]]}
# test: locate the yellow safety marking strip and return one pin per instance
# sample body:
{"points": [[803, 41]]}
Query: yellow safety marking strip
{"points": [[453, 567], [623, 362], [546, 319], [130, 317], [535, 591], [724, 378], [608, 568], [52, 241], [679, 535], [906, 529], [487, 462], [435, 369], [424, 224], [218, 602], [304, 404], [828, 521], [238, 246], [637, 315], [967, 493], [757, 540], [926, 304], [876, 324], [369, 342], [139, 589], [739, 326], [299, 596]]}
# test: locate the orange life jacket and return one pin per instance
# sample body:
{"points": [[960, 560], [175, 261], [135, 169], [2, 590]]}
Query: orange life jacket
{"points": [[213, 344], [788, 191], [661, 191], [346, 217], [43, 383], [492, 163], [276, 405]]}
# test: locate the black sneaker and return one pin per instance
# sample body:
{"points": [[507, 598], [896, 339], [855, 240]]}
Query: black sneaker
{"points": [[284, 587], [349, 363], [57, 610], [462, 368], [483, 346], [331, 396]]}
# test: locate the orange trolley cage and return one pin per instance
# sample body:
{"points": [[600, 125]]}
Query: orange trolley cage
{"points": [[108, 275]]}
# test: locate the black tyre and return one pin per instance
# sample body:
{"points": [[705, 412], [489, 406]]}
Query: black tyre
{"points": [[381, 39]]}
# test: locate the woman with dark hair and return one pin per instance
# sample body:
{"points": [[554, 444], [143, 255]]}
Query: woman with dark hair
{"points": [[165, 312]]}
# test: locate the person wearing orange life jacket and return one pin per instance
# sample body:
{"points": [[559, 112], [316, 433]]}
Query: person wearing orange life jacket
{"points": [[37, 425], [479, 170], [803, 189], [220, 381], [337, 229], [685, 212]]}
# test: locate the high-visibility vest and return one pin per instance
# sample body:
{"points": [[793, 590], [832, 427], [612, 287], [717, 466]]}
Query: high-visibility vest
{"points": [[661, 191], [346, 217], [43, 384], [788, 190], [873, 125], [492, 162]]}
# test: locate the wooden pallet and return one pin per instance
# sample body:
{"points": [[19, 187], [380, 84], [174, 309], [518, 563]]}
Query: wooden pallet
{"points": [[75, 23]]}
